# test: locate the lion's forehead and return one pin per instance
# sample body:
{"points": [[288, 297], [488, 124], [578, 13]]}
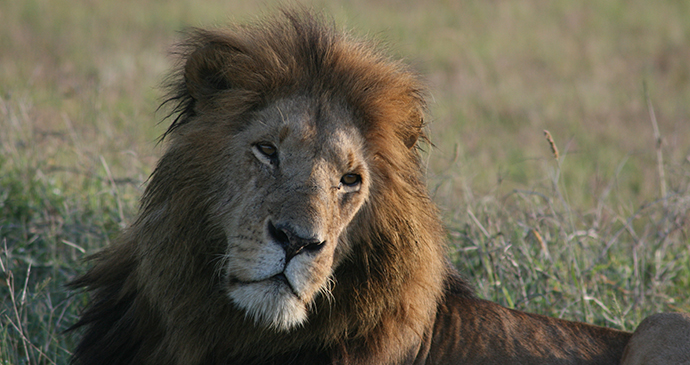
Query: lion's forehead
{"points": [[312, 129], [343, 146]]}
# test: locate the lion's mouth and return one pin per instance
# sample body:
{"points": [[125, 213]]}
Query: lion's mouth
{"points": [[278, 279], [282, 279]]}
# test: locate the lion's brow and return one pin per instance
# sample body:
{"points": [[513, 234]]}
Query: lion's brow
{"points": [[350, 160], [284, 132]]}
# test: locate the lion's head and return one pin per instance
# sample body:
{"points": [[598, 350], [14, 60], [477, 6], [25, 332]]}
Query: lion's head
{"points": [[297, 174], [289, 208]]}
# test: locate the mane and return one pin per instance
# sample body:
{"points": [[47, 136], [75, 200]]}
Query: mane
{"points": [[156, 291]]}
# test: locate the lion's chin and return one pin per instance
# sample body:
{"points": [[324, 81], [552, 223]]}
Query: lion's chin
{"points": [[271, 303]]}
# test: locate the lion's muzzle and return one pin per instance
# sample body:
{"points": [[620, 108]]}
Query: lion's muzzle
{"points": [[293, 243]]}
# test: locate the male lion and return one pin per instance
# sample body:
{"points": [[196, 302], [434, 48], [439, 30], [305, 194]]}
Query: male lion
{"points": [[288, 222]]}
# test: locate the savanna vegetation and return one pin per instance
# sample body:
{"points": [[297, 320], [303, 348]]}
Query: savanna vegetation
{"points": [[591, 223]]}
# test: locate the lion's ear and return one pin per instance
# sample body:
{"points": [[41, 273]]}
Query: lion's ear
{"points": [[414, 133], [205, 72], [412, 138]]}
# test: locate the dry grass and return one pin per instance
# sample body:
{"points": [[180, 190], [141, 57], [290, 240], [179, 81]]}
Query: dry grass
{"points": [[598, 233], [529, 249]]}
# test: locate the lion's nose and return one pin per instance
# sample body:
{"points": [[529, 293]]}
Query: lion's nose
{"points": [[285, 235]]}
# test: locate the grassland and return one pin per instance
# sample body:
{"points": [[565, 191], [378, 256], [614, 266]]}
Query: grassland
{"points": [[600, 233]]}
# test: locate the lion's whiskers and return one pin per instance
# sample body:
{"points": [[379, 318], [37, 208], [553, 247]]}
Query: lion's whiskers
{"points": [[219, 263], [326, 291]]}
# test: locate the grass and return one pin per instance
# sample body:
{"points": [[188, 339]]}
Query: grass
{"points": [[598, 234]]}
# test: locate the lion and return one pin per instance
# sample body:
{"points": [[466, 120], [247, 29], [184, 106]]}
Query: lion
{"points": [[288, 222]]}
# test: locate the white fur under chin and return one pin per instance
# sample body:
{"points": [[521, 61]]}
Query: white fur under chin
{"points": [[270, 303]]}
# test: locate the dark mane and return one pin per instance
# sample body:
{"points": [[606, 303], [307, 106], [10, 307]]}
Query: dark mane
{"points": [[155, 292]]}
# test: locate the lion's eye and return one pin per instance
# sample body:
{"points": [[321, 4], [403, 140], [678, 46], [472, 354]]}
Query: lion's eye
{"points": [[267, 149], [351, 179]]}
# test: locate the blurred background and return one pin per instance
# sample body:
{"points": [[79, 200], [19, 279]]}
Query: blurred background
{"points": [[597, 231]]}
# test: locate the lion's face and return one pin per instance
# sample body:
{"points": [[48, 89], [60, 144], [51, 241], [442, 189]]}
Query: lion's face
{"points": [[300, 176]]}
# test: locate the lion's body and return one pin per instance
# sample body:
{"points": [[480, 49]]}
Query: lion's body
{"points": [[474, 331], [288, 223]]}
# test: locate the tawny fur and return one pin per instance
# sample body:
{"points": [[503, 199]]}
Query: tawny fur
{"points": [[159, 295]]}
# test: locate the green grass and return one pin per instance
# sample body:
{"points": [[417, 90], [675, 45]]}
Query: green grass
{"points": [[587, 236]]}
